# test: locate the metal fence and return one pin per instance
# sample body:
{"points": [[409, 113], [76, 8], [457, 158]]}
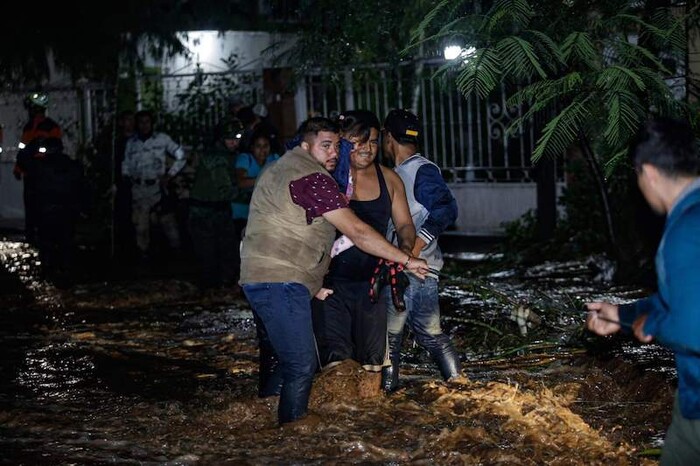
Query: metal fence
{"points": [[466, 137], [190, 105]]}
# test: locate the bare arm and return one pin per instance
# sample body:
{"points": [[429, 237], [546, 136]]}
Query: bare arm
{"points": [[370, 241], [400, 213], [418, 246]]}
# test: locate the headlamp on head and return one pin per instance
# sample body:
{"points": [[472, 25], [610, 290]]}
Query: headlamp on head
{"points": [[232, 129], [36, 99]]}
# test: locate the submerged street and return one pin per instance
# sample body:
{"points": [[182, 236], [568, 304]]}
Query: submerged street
{"points": [[140, 368]]}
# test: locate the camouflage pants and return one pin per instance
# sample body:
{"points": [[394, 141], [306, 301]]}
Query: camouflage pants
{"points": [[146, 212]]}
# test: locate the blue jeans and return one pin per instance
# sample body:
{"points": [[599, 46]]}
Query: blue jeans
{"points": [[422, 315], [284, 309]]}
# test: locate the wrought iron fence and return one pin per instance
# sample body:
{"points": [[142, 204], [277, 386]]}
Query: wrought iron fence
{"points": [[465, 136]]}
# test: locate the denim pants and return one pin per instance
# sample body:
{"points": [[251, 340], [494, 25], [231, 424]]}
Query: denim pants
{"points": [[284, 310], [422, 315]]}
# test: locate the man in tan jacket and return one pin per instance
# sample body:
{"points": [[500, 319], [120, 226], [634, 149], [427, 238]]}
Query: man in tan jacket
{"points": [[294, 212]]}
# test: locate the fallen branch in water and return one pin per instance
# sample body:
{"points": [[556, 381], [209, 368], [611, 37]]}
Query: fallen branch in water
{"points": [[526, 360]]}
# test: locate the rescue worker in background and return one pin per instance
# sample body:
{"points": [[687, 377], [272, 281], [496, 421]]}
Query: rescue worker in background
{"points": [[145, 167], [39, 126], [211, 223], [61, 196]]}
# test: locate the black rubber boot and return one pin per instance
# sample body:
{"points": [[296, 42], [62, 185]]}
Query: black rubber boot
{"points": [[390, 374], [448, 362]]}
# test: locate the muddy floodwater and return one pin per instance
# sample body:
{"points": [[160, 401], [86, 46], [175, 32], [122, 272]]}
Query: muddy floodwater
{"points": [[140, 368]]}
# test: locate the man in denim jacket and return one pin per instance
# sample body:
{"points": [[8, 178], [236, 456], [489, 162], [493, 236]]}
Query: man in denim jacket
{"points": [[433, 209], [667, 164]]}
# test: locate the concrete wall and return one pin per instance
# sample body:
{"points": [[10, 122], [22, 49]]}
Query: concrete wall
{"points": [[483, 207]]}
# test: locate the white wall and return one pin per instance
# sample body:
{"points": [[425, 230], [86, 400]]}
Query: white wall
{"points": [[483, 207], [208, 48]]}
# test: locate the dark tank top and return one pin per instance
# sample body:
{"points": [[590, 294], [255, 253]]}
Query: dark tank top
{"points": [[353, 264]]}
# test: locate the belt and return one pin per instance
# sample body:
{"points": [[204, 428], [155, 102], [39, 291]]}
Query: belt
{"points": [[145, 182]]}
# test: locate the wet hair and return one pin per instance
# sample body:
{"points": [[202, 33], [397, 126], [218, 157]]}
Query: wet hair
{"points": [[669, 145], [358, 123], [315, 125]]}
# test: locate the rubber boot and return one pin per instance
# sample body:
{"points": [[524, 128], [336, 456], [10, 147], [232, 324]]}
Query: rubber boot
{"points": [[448, 362], [390, 374]]}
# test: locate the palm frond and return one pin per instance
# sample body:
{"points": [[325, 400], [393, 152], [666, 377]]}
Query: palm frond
{"points": [[562, 130], [448, 30], [654, 80], [643, 26], [419, 31], [518, 58], [624, 116], [660, 97], [510, 13], [633, 54], [614, 161], [547, 89], [536, 107], [549, 51], [675, 26], [480, 74], [578, 47], [618, 77]]}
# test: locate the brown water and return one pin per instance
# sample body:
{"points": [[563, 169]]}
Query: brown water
{"points": [[147, 371]]}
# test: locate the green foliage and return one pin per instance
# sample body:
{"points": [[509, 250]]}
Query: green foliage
{"points": [[337, 34], [202, 103], [580, 232], [589, 72], [575, 63]]}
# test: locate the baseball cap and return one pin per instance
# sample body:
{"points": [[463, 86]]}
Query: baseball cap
{"points": [[403, 125]]}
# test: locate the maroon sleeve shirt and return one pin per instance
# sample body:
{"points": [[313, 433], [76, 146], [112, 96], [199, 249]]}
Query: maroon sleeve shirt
{"points": [[317, 194]]}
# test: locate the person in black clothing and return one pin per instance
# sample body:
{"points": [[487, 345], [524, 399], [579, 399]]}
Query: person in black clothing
{"points": [[38, 126], [347, 324], [61, 197], [211, 223]]}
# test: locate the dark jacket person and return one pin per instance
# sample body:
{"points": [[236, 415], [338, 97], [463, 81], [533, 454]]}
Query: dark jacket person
{"points": [[61, 197]]}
